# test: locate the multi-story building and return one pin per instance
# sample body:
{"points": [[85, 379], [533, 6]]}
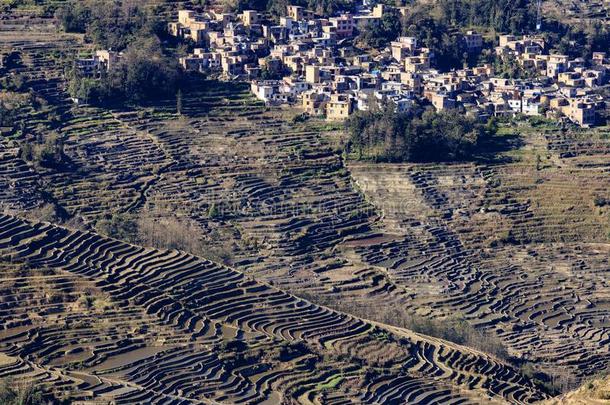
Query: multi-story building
{"points": [[298, 13], [572, 79], [101, 61], [312, 74], [441, 101], [474, 41], [314, 102], [339, 107], [250, 17], [555, 65], [403, 47], [531, 106], [192, 26], [201, 61], [580, 111], [344, 25]]}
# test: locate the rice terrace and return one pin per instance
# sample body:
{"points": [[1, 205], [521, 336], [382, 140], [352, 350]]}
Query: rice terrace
{"points": [[304, 202]]}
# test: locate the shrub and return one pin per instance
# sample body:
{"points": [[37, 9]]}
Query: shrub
{"points": [[601, 201], [213, 211], [119, 226], [49, 154], [14, 82], [15, 394], [10, 106], [300, 118], [290, 351]]}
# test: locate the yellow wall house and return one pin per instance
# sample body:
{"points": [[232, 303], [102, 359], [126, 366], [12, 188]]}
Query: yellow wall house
{"points": [[250, 17], [580, 112], [339, 107], [313, 103]]}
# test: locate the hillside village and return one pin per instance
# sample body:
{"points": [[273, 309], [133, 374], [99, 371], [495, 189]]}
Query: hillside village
{"points": [[309, 61]]}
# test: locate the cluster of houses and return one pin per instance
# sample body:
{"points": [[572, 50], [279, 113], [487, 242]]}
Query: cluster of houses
{"points": [[309, 61], [306, 60]]}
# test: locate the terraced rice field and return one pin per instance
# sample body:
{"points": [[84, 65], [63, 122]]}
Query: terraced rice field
{"points": [[518, 249], [524, 240], [94, 317], [576, 11]]}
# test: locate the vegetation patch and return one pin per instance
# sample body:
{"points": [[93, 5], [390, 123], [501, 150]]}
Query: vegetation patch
{"points": [[330, 383], [416, 136]]}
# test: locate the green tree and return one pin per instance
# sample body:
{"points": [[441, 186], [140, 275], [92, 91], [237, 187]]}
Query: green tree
{"points": [[381, 32], [119, 226], [51, 153], [144, 72], [108, 23]]}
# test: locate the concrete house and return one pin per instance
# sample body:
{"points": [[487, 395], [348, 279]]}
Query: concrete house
{"points": [[339, 107], [314, 103], [441, 101], [474, 41], [344, 25], [580, 111], [298, 13], [101, 61], [556, 64], [403, 47], [250, 17]]}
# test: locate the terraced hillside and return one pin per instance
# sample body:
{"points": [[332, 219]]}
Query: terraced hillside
{"points": [[259, 191], [38, 53], [577, 11], [593, 392], [92, 317], [280, 197], [275, 199], [518, 249]]}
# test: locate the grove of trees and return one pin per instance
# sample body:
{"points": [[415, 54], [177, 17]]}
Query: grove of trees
{"points": [[23, 394], [419, 135], [380, 32], [578, 41], [132, 26], [143, 73], [433, 24], [111, 24], [512, 16]]}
